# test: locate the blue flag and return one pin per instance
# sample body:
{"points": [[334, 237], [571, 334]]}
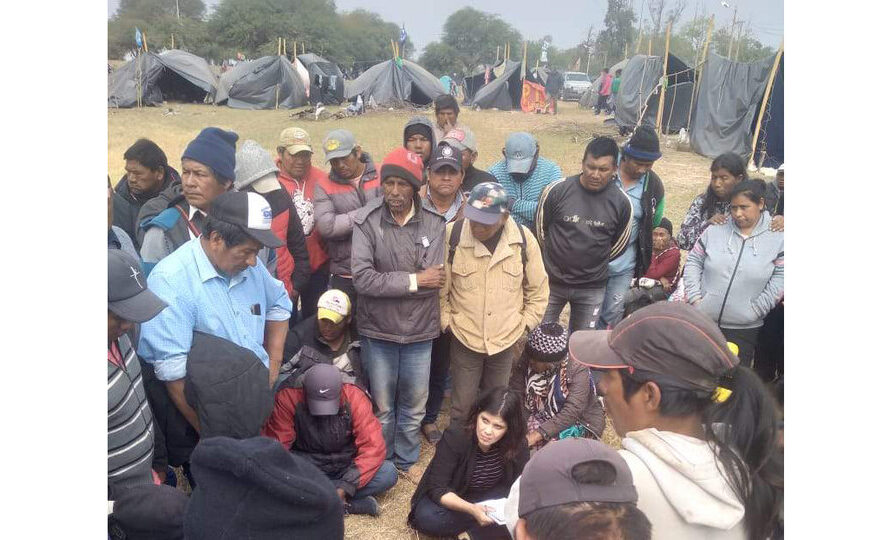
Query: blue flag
{"points": [[138, 37], [404, 35]]}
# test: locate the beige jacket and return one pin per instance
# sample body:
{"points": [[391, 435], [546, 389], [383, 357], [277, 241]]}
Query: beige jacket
{"points": [[487, 302]]}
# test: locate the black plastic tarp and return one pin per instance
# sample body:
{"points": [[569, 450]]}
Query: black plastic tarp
{"points": [[326, 82], [171, 75], [590, 97], [638, 94], [770, 149], [395, 82], [505, 92], [475, 81], [727, 102], [261, 83]]}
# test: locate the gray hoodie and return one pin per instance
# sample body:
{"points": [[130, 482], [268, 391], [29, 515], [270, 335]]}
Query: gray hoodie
{"points": [[736, 280]]}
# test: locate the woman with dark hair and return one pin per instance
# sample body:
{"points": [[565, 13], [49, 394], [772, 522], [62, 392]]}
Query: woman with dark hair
{"points": [[699, 430], [475, 461], [558, 393], [712, 206], [735, 273]]}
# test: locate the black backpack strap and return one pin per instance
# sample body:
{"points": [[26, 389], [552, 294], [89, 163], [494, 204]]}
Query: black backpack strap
{"points": [[454, 240], [525, 257]]}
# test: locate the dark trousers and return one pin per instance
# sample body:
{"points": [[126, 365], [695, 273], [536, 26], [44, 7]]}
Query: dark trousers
{"points": [[745, 339], [472, 373], [432, 519], [769, 355], [438, 373], [346, 285], [382, 481], [309, 296], [602, 104]]}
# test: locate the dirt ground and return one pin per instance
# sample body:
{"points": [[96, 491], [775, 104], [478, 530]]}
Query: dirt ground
{"points": [[562, 138]]}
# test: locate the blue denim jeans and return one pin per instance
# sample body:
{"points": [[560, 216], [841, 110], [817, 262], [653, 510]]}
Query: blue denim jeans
{"points": [[585, 306], [432, 519], [398, 376], [384, 479], [614, 299]]}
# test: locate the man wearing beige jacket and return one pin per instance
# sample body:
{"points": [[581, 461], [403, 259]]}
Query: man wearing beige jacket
{"points": [[496, 288]]}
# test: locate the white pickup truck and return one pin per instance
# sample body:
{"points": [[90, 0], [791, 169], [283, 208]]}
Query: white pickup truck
{"points": [[575, 83]]}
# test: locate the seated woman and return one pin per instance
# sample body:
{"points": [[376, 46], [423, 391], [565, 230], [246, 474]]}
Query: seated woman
{"points": [[656, 284], [559, 394], [474, 461], [734, 273]]}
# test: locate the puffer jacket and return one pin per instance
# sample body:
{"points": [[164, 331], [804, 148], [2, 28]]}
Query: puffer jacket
{"points": [[736, 280], [384, 256], [490, 299], [163, 227], [126, 206], [303, 200], [336, 203]]}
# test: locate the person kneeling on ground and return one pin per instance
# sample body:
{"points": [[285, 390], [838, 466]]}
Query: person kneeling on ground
{"points": [[576, 485], [475, 461], [330, 423], [656, 283], [670, 385], [560, 397]]}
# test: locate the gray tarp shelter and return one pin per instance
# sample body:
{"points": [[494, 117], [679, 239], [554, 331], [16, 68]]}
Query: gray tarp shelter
{"points": [[727, 103], [171, 75], [638, 93], [326, 80], [770, 149], [475, 81], [505, 92], [395, 82], [261, 83], [590, 97]]}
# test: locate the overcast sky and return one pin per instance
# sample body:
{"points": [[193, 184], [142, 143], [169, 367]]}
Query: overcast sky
{"points": [[566, 20]]}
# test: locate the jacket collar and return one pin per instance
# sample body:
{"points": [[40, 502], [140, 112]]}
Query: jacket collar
{"points": [[369, 171], [510, 235]]}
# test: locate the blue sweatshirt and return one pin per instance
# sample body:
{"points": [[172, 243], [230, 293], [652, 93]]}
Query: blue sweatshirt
{"points": [[528, 192]]}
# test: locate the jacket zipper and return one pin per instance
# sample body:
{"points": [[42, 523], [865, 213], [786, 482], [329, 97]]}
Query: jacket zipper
{"points": [[728, 290]]}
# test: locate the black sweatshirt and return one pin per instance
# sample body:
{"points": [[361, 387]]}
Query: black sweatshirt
{"points": [[580, 231]]}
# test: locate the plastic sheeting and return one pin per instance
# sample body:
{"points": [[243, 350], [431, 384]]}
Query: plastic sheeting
{"points": [[476, 81], [261, 83], [505, 92], [636, 95], [173, 74], [770, 149], [728, 100], [326, 80], [590, 97], [392, 84]]}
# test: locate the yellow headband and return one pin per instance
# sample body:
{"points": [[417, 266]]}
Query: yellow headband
{"points": [[721, 394]]}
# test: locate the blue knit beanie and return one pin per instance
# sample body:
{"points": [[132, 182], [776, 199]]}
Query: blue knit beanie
{"points": [[214, 148]]}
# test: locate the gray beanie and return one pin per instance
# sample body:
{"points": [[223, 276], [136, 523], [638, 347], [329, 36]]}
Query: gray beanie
{"points": [[253, 162]]}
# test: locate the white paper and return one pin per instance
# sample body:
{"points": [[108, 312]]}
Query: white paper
{"points": [[496, 509]]}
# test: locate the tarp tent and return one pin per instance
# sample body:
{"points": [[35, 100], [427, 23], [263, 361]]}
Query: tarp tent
{"points": [[395, 82], [638, 94], [261, 83], [476, 81], [506, 91], [727, 102], [590, 97], [326, 80], [171, 75], [770, 149]]}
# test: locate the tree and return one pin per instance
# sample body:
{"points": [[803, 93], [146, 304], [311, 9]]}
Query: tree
{"points": [[363, 40], [748, 47], [440, 58], [154, 9], [618, 33], [157, 18], [476, 35]]}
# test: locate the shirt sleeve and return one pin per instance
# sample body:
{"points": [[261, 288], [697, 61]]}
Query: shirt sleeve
{"points": [[165, 340], [278, 303]]}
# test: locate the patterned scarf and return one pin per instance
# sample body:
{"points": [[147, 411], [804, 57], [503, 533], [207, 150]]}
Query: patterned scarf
{"points": [[546, 391]]}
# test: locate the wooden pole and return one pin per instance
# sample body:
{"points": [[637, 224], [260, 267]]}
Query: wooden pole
{"points": [[303, 47], [761, 111], [661, 110], [277, 90], [639, 42], [294, 51], [731, 38], [737, 49], [172, 37], [497, 53], [145, 40], [625, 54], [697, 87], [649, 47]]}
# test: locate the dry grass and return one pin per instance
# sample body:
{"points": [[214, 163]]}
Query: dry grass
{"points": [[562, 139]]}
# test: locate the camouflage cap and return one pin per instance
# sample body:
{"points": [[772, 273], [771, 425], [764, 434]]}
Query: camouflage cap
{"points": [[487, 202]]}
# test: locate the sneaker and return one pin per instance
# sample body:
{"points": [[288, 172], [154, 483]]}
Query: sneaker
{"points": [[431, 432], [366, 505]]}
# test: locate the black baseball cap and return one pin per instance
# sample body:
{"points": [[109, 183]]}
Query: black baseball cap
{"points": [[446, 154], [322, 384], [672, 340], [129, 297], [548, 478], [250, 211]]}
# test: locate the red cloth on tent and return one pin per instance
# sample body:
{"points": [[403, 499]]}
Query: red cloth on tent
{"points": [[534, 98]]}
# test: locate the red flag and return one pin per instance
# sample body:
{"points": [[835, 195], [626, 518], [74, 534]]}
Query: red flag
{"points": [[534, 98]]}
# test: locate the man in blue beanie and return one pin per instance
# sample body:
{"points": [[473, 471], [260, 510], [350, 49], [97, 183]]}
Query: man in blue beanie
{"points": [[177, 214]]}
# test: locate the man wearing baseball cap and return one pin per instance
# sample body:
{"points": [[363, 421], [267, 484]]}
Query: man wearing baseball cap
{"points": [[496, 289], [299, 177], [326, 419], [464, 139], [524, 175], [217, 285], [699, 429], [575, 485], [645, 191], [354, 180], [398, 268], [177, 214], [131, 425]]}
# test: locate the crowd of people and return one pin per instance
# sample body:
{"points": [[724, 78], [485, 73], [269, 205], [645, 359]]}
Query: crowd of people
{"points": [[284, 338]]}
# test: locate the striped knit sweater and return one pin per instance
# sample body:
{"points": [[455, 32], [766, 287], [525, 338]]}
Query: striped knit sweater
{"points": [[131, 429], [527, 192]]}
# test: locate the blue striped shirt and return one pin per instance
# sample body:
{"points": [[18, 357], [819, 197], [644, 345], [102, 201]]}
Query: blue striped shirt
{"points": [[201, 299], [527, 193]]}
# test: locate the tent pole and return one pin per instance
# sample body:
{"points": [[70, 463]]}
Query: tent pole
{"points": [[277, 94], [697, 86], [639, 42], [497, 53], [172, 37], [303, 47], [625, 54], [649, 47], [764, 100], [145, 40], [294, 51], [661, 110]]}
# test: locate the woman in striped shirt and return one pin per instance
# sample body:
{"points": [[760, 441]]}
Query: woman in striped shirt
{"points": [[475, 461]]}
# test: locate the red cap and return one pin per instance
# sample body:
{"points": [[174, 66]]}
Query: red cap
{"points": [[404, 164]]}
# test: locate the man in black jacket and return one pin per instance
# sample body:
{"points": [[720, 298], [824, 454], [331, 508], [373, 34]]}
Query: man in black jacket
{"points": [[645, 190], [148, 173], [583, 222]]}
